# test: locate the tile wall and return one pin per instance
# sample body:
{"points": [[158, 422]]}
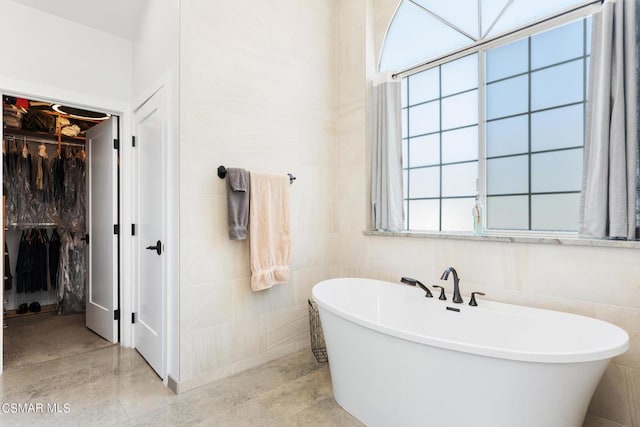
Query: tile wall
{"points": [[257, 93]]}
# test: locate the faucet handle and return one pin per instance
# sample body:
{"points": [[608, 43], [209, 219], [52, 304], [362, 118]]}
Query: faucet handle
{"points": [[473, 298], [442, 295]]}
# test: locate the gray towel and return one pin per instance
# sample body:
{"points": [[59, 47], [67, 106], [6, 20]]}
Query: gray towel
{"points": [[238, 202]]}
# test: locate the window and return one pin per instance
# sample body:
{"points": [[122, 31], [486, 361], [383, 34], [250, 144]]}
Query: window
{"points": [[440, 143], [525, 119], [422, 30], [535, 108]]}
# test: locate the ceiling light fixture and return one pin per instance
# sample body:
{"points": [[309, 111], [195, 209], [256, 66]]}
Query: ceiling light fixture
{"points": [[78, 113]]}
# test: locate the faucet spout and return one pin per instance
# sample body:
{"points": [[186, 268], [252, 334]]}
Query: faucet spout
{"points": [[457, 298]]}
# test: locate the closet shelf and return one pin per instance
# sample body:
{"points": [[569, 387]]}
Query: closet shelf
{"points": [[50, 308], [43, 135]]}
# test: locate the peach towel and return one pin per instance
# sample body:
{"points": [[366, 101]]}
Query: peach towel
{"points": [[269, 230]]}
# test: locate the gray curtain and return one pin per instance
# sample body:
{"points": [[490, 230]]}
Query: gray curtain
{"points": [[386, 158], [609, 186]]}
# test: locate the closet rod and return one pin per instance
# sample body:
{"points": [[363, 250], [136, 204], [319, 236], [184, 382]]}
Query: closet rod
{"points": [[18, 138], [15, 225]]}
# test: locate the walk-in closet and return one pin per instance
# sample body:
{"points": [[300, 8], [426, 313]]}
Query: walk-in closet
{"points": [[47, 187]]}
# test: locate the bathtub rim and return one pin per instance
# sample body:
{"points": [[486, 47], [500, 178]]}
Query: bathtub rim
{"points": [[489, 351]]}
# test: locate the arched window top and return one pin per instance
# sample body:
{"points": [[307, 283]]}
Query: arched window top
{"points": [[425, 29]]}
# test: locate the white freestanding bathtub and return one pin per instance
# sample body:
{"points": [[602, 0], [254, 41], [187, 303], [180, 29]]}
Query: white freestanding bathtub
{"points": [[400, 359]]}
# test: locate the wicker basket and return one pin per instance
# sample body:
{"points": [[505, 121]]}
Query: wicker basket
{"points": [[318, 346]]}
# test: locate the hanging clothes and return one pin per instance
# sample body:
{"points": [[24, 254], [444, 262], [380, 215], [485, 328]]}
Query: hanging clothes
{"points": [[74, 195], [25, 265], [10, 161], [5, 179], [72, 274], [25, 212], [41, 242], [42, 187], [44, 191], [54, 258], [31, 268], [8, 277], [56, 171], [40, 190]]}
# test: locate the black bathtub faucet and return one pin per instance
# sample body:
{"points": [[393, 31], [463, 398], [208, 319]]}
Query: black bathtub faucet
{"points": [[414, 282], [457, 298]]}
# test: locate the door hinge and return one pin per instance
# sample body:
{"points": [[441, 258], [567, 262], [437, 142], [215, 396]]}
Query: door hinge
{"points": [[116, 229], [133, 318], [116, 144], [116, 315], [86, 238], [133, 141], [133, 229]]}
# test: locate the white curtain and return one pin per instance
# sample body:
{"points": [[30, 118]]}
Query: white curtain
{"points": [[609, 184], [386, 158]]}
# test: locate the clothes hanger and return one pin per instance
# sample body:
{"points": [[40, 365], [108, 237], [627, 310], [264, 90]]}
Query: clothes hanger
{"points": [[13, 145], [25, 149], [42, 151]]}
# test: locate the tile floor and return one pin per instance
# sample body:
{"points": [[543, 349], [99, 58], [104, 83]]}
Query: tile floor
{"points": [[38, 338], [114, 386]]}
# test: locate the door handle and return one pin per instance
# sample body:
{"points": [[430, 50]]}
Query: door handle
{"points": [[157, 247]]}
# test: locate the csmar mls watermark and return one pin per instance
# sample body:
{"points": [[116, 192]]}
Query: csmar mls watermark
{"points": [[35, 408]]}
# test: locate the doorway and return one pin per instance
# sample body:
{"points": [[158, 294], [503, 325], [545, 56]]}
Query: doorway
{"points": [[60, 182]]}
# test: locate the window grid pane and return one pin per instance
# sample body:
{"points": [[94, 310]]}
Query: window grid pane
{"points": [[440, 174], [526, 120], [542, 145]]}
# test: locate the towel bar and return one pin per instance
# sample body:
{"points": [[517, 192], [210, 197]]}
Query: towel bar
{"points": [[222, 174]]}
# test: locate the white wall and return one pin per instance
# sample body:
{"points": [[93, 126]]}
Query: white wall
{"points": [[156, 48], [595, 281], [59, 58], [257, 93], [156, 56]]}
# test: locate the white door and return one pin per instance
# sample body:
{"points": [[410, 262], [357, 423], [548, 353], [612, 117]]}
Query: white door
{"points": [[102, 215], [149, 305]]}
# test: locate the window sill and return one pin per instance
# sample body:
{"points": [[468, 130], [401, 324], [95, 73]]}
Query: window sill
{"points": [[543, 239]]}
